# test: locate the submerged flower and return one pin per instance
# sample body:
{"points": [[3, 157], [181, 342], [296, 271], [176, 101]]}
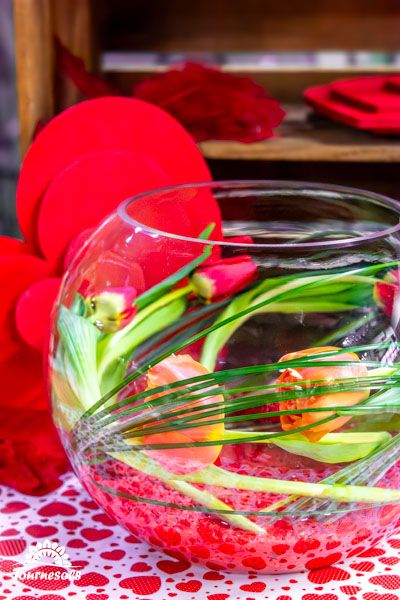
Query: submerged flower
{"points": [[189, 459], [325, 375], [223, 277], [112, 308], [385, 291]]}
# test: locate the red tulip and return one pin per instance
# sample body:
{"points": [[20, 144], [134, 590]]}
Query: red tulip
{"points": [[112, 308], [327, 375], [223, 277], [386, 291], [184, 460]]}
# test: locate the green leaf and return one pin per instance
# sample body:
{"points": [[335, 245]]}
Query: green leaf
{"points": [[79, 340], [218, 338], [216, 476], [314, 294], [335, 447], [121, 347]]}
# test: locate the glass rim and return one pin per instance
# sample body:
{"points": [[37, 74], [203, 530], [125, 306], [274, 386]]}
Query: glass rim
{"points": [[335, 192]]}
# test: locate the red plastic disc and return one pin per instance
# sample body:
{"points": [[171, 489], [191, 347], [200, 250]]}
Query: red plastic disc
{"points": [[87, 191], [112, 123]]}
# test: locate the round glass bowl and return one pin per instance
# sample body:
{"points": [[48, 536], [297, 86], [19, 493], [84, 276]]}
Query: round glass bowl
{"points": [[224, 371]]}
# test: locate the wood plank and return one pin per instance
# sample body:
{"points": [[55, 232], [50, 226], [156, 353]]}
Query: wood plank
{"points": [[253, 25], [303, 139], [73, 25], [285, 84], [34, 62]]}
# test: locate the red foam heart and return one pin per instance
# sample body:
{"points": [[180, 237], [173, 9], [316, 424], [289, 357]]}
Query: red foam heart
{"points": [[89, 189], [10, 245], [17, 272], [105, 123], [32, 313]]}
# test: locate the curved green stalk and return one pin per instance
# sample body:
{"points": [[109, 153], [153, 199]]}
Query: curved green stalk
{"points": [[304, 302], [163, 311], [141, 462], [218, 477]]}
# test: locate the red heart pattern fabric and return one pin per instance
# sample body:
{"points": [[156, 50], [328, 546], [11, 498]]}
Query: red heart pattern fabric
{"points": [[115, 565]]}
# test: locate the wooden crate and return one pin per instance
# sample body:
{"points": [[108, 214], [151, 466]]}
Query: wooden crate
{"points": [[216, 27]]}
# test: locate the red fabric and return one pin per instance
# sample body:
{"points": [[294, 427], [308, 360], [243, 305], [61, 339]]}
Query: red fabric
{"points": [[212, 104], [209, 103], [91, 187], [371, 103], [33, 310], [224, 277], [88, 84], [98, 125], [31, 458], [80, 167]]}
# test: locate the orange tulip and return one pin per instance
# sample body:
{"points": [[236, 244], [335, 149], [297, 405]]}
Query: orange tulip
{"points": [[183, 460], [327, 375]]}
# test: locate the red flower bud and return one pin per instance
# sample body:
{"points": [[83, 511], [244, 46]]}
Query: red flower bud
{"points": [[112, 308], [223, 277], [384, 295]]}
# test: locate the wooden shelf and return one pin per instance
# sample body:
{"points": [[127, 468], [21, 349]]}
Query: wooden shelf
{"points": [[305, 138]]}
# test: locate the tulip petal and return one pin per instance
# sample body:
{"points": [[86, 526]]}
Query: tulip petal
{"points": [[33, 311], [184, 460], [17, 272], [115, 123], [87, 191]]}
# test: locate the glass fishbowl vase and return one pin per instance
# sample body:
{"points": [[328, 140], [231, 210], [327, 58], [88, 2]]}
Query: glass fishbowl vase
{"points": [[224, 375]]}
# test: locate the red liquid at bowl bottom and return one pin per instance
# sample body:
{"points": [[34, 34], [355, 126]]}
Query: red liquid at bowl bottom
{"points": [[289, 544]]}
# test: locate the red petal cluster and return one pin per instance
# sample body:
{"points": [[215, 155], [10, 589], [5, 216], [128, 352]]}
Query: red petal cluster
{"points": [[79, 168], [212, 104], [91, 86]]}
